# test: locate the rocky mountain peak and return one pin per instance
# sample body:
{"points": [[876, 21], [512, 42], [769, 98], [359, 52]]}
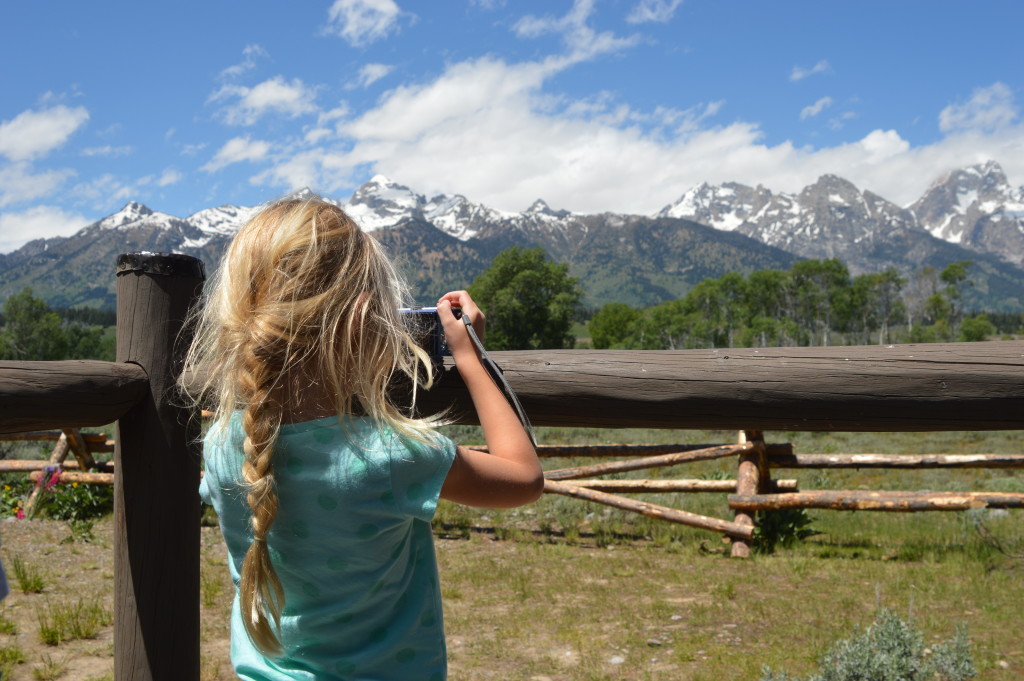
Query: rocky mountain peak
{"points": [[831, 189], [975, 207], [133, 211]]}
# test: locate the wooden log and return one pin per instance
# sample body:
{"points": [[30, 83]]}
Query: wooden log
{"points": [[889, 388], [91, 439], [896, 460], [619, 450], [156, 499], [27, 465], [716, 452], [68, 394], [79, 449], [68, 477], [650, 510], [860, 500], [748, 481], [675, 486]]}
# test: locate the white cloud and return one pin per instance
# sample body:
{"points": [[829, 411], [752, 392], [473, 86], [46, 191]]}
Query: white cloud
{"points": [[192, 149], [799, 72], [816, 108], [361, 22], [247, 105], [490, 130], [369, 74], [236, 150], [38, 222], [108, 150], [989, 109], [583, 42], [660, 11], [104, 190], [169, 177], [249, 55], [18, 183], [33, 134]]}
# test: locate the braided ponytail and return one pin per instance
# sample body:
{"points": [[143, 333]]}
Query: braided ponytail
{"points": [[260, 591]]}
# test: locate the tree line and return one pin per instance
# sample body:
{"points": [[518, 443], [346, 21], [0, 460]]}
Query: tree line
{"points": [[816, 302], [31, 330], [534, 303]]}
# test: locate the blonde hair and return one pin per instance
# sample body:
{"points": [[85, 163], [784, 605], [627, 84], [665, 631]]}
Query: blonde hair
{"points": [[302, 295]]}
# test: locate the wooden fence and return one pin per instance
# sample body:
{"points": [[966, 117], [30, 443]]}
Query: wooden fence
{"points": [[976, 386]]}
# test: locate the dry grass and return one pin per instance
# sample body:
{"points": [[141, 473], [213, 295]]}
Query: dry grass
{"points": [[565, 591]]}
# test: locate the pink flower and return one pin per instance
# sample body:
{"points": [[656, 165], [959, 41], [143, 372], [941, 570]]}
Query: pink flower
{"points": [[20, 515]]}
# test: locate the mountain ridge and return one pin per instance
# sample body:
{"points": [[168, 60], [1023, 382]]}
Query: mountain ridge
{"points": [[967, 214]]}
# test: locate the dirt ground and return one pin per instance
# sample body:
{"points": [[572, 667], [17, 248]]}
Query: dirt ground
{"points": [[74, 569]]}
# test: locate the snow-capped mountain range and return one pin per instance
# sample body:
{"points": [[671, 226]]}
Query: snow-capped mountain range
{"points": [[974, 207], [972, 213]]}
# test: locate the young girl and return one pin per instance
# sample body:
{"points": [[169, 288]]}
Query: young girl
{"points": [[323, 486]]}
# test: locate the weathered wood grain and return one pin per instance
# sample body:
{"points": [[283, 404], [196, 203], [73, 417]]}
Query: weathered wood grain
{"points": [[894, 388], [792, 460], [781, 449], [672, 486], [156, 480], [68, 394], [66, 477], [27, 465], [861, 500], [660, 461], [651, 510]]}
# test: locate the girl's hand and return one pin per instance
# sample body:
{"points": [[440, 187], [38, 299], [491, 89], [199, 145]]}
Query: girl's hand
{"points": [[462, 300]]}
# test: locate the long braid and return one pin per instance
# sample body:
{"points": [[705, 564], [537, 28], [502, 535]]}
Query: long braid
{"points": [[260, 590]]}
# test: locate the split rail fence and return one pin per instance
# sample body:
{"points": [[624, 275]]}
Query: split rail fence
{"points": [[156, 468]]}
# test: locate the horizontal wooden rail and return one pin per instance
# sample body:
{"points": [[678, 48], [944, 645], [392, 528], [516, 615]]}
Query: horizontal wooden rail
{"points": [[711, 453], [23, 465], [69, 394], [892, 388], [616, 450], [896, 460], [72, 477], [651, 510], [92, 439], [860, 500], [672, 486]]}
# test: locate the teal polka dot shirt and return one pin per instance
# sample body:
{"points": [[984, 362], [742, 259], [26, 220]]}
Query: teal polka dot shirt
{"points": [[351, 544]]}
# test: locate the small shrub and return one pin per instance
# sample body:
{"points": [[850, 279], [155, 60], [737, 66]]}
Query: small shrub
{"points": [[64, 622], [81, 531], [9, 657], [210, 587], [79, 502], [30, 579], [14, 490], [7, 626], [891, 649], [781, 528], [49, 669]]}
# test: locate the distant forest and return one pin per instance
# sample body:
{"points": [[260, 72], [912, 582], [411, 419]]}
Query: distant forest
{"points": [[816, 302]]}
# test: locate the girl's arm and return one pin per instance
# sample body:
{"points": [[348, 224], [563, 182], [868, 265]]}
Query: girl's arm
{"points": [[509, 474]]}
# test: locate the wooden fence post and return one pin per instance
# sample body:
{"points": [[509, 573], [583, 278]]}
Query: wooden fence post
{"points": [[156, 478], [751, 477]]}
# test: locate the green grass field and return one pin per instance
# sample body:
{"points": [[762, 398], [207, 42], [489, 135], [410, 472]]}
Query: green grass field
{"points": [[563, 590], [568, 590]]}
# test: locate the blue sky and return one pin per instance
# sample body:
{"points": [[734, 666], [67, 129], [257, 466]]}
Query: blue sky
{"points": [[617, 105]]}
